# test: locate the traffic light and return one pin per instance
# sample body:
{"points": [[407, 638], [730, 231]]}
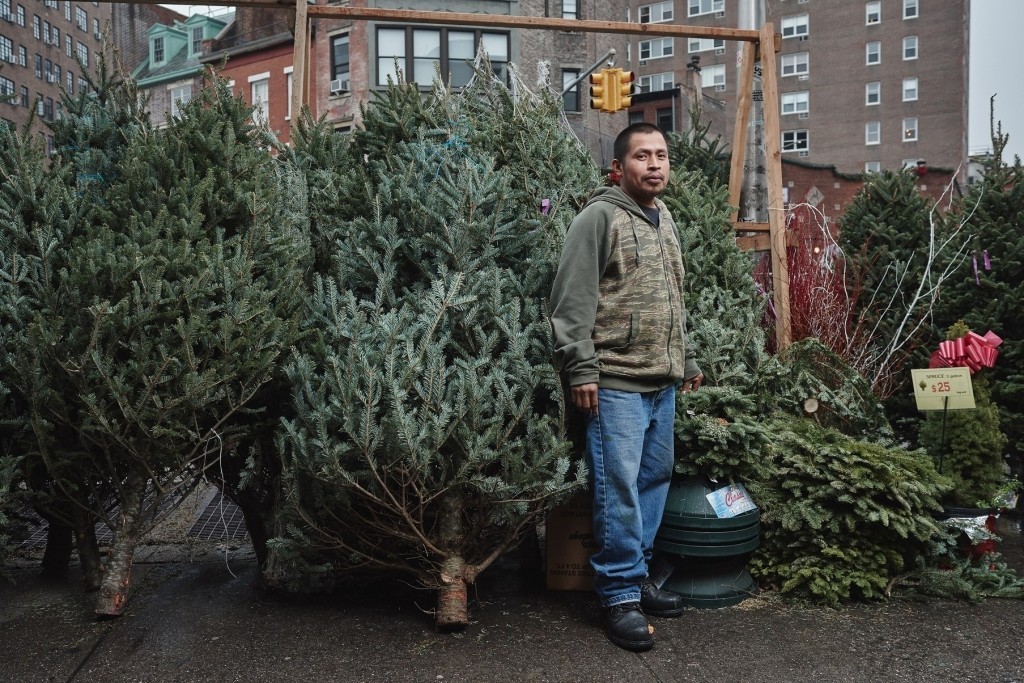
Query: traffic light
{"points": [[600, 91], [625, 89], [610, 89]]}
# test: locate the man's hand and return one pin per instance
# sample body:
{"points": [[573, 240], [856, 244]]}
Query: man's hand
{"points": [[693, 384], [584, 397]]}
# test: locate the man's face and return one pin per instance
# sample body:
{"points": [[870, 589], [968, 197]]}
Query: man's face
{"points": [[644, 171]]}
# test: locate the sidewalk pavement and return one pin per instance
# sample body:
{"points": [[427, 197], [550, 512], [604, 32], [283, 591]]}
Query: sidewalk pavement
{"points": [[193, 616]]}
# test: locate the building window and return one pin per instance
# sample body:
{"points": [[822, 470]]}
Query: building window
{"points": [[696, 7], [666, 122], [39, 66], [570, 96], [910, 47], [704, 44], [6, 49], [179, 97], [46, 32], [67, 44], [796, 63], [795, 141], [909, 9], [6, 88], [873, 51], [570, 9], [910, 89], [22, 55], [873, 13], [20, 16], [290, 82], [418, 50], [796, 102], [83, 54], [910, 129], [67, 10], [24, 96], [636, 117], [37, 27], [69, 77], [657, 48], [197, 40], [55, 36], [872, 93], [158, 51], [340, 61], [96, 28], [873, 167], [872, 132], [656, 82], [81, 19], [713, 75], [795, 27], [656, 13], [259, 87]]}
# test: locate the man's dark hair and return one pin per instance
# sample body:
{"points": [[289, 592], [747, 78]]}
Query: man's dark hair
{"points": [[621, 147]]}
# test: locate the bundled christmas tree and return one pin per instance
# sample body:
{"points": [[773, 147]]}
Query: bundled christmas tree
{"points": [[988, 294], [149, 351], [429, 434]]}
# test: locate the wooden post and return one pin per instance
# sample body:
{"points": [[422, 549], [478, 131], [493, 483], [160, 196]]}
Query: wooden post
{"points": [[300, 52], [773, 170], [739, 133]]}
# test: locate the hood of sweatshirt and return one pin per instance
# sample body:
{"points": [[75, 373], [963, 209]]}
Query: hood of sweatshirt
{"points": [[615, 195]]}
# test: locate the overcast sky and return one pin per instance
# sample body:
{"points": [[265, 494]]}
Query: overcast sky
{"points": [[996, 27]]}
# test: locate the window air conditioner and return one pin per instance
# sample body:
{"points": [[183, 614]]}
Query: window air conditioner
{"points": [[643, 62], [97, 35], [720, 88], [804, 153], [803, 77], [803, 115], [719, 50], [51, 78], [719, 15], [802, 38], [339, 85]]}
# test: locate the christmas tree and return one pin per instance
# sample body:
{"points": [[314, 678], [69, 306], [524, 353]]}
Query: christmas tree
{"points": [[429, 434], [988, 294], [151, 349]]}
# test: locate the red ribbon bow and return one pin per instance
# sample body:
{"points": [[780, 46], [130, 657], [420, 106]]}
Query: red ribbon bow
{"points": [[972, 351]]}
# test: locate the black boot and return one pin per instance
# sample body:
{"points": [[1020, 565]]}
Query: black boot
{"points": [[658, 603], [627, 627]]}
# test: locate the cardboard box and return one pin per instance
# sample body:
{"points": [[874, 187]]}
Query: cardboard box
{"points": [[569, 539]]}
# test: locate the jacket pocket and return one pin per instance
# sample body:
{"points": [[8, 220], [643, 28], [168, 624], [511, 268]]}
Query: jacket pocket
{"points": [[627, 335]]}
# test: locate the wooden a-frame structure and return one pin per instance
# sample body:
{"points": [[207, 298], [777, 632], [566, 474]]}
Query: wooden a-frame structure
{"points": [[760, 44]]}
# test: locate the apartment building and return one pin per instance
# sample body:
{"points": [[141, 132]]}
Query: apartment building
{"points": [[42, 43], [864, 85]]}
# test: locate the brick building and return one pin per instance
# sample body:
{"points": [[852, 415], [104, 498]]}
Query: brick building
{"points": [[170, 70], [864, 85], [41, 45]]}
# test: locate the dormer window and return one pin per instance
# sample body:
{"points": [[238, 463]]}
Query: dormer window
{"points": [[158, 51], [197, 40]]}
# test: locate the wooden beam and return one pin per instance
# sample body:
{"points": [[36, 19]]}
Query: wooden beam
{"points": [[300, 54], [743, 226], [744, 88], [773, 171]]}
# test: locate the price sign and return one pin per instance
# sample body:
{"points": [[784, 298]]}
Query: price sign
{"points": [[943, 388]]}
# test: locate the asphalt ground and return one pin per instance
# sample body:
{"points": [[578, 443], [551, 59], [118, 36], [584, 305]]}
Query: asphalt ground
{"points": [[196, 615]]}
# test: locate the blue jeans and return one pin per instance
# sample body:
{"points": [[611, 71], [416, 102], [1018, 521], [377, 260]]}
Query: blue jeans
{"points": [[630, 446]]}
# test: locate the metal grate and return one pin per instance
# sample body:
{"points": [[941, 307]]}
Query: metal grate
{"points": [[221, 520]]}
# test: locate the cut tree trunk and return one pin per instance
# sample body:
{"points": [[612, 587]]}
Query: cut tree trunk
{"points": [[117, 579], [88, 551], [452, 598], [60, 540]]}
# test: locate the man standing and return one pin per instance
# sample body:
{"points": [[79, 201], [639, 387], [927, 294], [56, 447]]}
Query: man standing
{"points": [[619, 325]]}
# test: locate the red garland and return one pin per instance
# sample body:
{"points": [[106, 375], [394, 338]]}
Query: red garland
{"points": [[972, 351]]}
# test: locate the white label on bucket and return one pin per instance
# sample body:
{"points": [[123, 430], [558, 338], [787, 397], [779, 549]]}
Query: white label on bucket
{"points": [[730, 501]]}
